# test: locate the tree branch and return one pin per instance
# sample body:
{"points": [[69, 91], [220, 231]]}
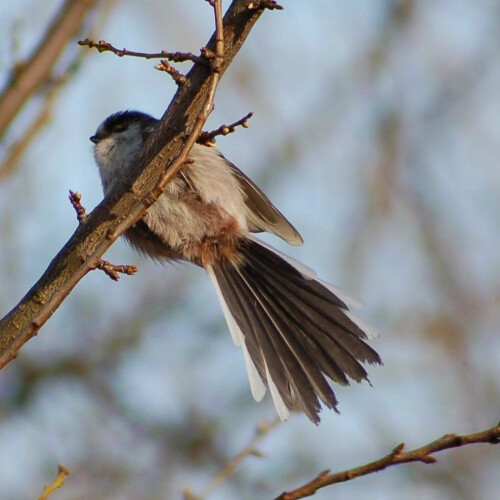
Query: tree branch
{"points": [[162, 156], [396, 457]]}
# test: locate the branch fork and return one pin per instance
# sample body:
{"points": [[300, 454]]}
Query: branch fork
{"points": [[112, 270], [165, 56]]}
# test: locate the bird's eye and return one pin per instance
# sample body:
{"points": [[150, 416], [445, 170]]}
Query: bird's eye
{"points": [[120, 127]]}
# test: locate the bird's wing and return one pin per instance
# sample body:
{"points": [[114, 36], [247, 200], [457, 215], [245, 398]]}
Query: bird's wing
{"points": [[262, 214]]}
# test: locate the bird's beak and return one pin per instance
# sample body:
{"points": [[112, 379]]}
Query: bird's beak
{"points": [[94, 139]]}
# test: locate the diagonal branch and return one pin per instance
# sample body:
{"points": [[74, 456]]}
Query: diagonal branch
{"points": [[50, 86], [396, 457], [162, 156]]}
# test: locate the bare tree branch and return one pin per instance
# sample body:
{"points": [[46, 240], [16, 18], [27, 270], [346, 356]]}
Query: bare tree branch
{"points": [[123, 207], [396, 457], [18, 148], [38, 68], [103, 46]]}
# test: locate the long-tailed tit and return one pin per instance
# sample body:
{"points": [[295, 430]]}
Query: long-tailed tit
{"points": [[296, 331]]}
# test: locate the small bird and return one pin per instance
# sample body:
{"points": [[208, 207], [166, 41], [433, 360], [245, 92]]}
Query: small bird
{"points": [[296, 331]]}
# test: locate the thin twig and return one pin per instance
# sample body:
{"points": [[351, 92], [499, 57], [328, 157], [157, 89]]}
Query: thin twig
{"points": [[209, 137], [103, 46], [396, 457], [215, 68], [178, 77], [59, 481]]}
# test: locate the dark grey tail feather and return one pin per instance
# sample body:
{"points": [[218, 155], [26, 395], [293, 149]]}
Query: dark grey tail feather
{"points": [[294, 330], [288, 365]]}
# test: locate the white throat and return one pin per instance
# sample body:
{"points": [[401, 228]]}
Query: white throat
{"points": [[115, 154]]}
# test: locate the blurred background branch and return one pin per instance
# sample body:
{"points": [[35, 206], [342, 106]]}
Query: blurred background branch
{"points": [[28, 76], [38, 77]]}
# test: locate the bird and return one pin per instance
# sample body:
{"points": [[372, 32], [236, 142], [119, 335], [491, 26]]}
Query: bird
{"points": [[298, 333]]}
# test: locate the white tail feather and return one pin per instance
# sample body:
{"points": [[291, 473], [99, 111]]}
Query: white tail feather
{"points": [[281, 408], [257, 386], [234, 329], [370, 331]]}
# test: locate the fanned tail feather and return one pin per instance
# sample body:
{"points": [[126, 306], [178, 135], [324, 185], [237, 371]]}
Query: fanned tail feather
{"points": [[295, 331]]}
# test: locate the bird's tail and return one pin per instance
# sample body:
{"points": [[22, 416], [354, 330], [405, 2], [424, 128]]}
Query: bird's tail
{"points": [[296, 332]]}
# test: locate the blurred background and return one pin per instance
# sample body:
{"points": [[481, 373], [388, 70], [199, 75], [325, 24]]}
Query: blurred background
{"points": [[377, 132]]}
